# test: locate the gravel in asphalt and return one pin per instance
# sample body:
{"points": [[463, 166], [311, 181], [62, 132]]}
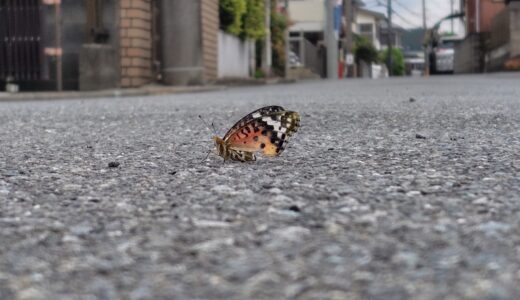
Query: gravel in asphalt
{"points": [[376, 196]]}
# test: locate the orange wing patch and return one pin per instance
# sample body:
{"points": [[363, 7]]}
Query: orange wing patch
{"points": [[256, 138]]}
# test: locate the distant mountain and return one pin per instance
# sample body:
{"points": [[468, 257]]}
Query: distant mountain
{"points": [[413, 39]]}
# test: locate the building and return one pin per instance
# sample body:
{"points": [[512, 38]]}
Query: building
{"points": [[307, 36], [471, 52], [503, 51], [396, 37], [95, 44], [368, 24]]}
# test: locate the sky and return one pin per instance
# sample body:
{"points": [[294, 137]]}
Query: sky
{"points": [[408, 13]]}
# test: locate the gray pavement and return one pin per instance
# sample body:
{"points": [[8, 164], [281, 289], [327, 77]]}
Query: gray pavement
{"points": [[376, 197]]}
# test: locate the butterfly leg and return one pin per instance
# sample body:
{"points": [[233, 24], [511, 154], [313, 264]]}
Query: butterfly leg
{"points": [[207, 155]]}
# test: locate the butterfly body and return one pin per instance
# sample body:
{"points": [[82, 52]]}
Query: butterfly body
{"points": [[265, 129]]}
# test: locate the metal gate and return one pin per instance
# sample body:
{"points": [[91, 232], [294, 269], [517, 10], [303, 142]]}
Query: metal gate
{"points": [[20, 40]]}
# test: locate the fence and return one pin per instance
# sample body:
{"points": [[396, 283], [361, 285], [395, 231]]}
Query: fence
{"points": [[20, 40]]}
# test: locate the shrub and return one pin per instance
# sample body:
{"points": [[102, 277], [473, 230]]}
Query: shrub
{"points": [[364, 50], [253, 20], [230, 14], [398, 68]]}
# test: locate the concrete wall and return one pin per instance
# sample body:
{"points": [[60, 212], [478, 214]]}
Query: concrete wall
{"points": [[503, 50], [514, 28], [468, 55], [181, 42], [234, 56]]}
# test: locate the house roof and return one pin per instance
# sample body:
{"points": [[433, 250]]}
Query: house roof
{"points": [[376, 14], [395, 27]]}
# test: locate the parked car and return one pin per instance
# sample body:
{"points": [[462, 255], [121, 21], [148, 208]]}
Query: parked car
{"points": [[442, 55]]}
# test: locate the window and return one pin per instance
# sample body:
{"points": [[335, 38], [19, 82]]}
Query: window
{"points": [[366, 29]]}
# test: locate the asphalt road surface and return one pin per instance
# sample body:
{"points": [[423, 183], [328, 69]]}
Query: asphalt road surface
{"points": [[391, 189]]}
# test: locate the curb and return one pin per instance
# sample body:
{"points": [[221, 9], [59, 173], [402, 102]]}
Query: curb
{"points": [[232, 81], [115, 93]]}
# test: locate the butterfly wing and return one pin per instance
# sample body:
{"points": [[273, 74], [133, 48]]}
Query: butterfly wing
{"points": [[267, 133], [251, 116]]}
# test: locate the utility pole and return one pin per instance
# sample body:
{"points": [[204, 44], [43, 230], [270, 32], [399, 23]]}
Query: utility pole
{"points": [[267, 59], [390, 38], [349, 46], [59, 52], [451, 8], [330, 40], [427, 47]]}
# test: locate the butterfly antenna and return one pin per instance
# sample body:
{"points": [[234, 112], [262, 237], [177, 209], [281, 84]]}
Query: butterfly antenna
{"points": [[206, 124]]}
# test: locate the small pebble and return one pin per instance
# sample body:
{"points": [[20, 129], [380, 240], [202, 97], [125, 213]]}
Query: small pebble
{"points": [[113, 164]]}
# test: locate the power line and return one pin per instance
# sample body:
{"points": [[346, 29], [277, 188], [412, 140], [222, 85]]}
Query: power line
{"points": [[404, 19], [407, 9]]}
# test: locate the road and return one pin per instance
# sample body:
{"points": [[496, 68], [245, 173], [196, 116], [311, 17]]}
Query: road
{"points": [[392, 189]]}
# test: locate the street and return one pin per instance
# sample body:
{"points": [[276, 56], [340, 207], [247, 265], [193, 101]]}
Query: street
{"points": [[404, 188]]}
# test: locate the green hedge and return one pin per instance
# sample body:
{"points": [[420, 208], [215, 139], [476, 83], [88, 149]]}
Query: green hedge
{"points": [[243, 18], [397, 61]]}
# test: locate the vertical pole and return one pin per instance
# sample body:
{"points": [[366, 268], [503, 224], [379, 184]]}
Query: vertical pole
{"points": [[267, 60], [287, 44], [330, 41], [451, 9], [349, 47], [427, 47], [59, 52], [390, 38]]}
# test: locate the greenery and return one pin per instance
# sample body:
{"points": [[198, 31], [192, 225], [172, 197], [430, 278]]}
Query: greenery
{"points": [[364, 50], [279, 23], [246, 19], [243, 18], [230, 14], [259, 73], [254, 20], [398, 68]]}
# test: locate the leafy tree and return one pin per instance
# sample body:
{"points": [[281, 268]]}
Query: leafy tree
{"points": [[398, 67], [230, 14], [253, 20], [364, 50], [279, 23], [243, 18]]}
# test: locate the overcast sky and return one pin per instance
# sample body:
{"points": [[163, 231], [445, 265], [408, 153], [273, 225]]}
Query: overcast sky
{"points": [[409, 12]]}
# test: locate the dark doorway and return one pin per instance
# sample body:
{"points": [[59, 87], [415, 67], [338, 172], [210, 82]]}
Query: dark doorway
{"points": [[20, 40]]}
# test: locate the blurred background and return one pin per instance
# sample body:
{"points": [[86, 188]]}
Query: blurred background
{"points": [[107, 44]]}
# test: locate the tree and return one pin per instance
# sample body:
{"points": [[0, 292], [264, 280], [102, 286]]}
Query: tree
{"points": [[253, 20], [243, 18], [398, 68], [279, 23], [364, 50], [230, 15]]}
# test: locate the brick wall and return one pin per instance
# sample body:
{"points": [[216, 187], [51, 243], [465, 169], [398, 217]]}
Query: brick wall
{"points": [[135, 42], [210, 26]]}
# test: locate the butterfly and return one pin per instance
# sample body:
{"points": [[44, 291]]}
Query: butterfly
{"points": [[265, 129]]}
